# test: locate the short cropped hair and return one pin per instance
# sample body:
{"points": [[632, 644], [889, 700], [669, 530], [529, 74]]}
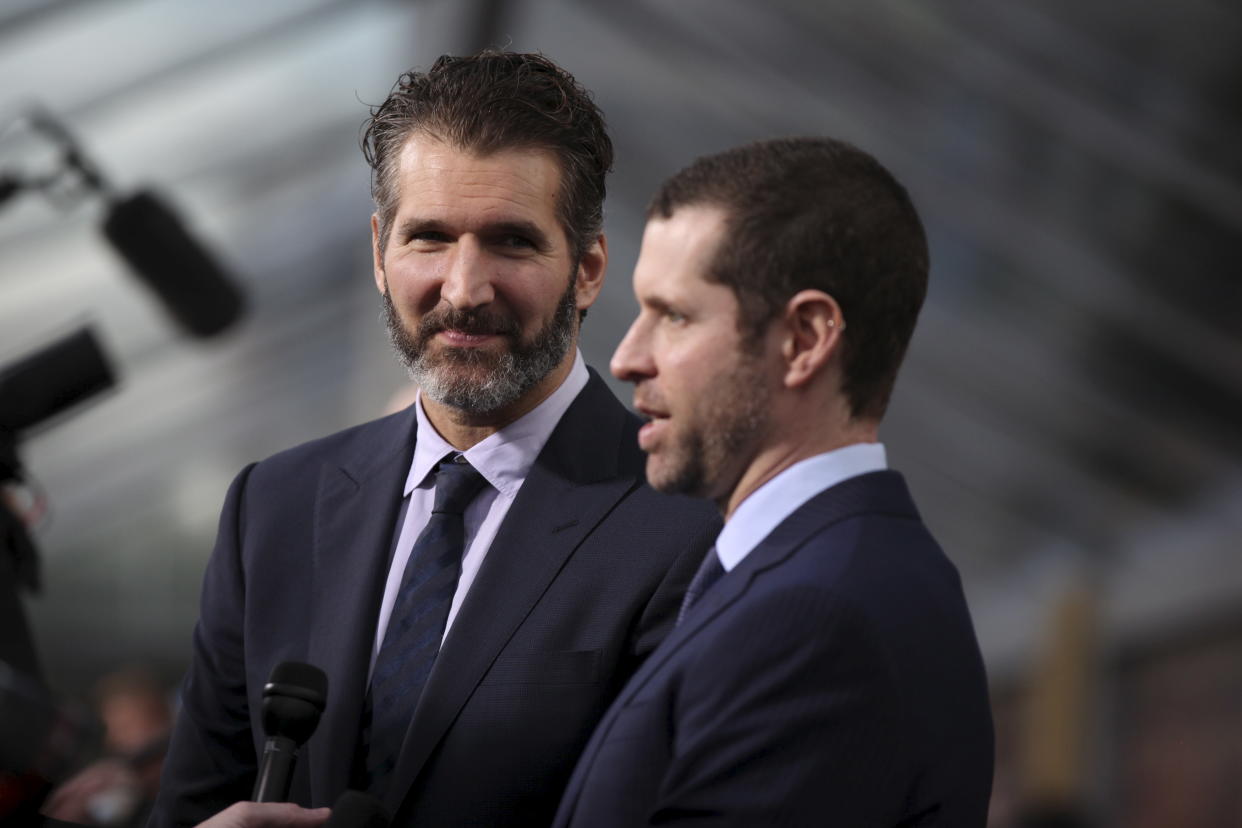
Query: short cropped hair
{"points": [[815, 213], [496, 101]]}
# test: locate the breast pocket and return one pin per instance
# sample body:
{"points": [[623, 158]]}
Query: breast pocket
{"points": [[566, 667]]}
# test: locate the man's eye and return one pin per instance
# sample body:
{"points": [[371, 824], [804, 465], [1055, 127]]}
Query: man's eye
{"points": [[516, 242], [674, 316], [432, 236]]}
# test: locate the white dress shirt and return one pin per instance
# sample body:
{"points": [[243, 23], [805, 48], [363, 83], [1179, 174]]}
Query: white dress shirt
{"points": [[504, 459], [766, 507]]}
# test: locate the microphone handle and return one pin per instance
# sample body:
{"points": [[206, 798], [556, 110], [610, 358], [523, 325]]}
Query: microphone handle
{"points": [[276, 770]]}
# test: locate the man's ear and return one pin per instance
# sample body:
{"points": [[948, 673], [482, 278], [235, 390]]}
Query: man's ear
{"points": [[813, 326], [377, 254], [590, 277]]}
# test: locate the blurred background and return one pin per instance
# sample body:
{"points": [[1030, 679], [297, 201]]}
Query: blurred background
{"points": [[1070, 415]]}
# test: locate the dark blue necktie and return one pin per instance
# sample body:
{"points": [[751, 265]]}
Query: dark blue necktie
{"points": [[416, 626], [709, 573]]}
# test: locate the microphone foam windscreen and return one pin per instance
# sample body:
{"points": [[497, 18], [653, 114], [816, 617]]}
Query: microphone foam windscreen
{"points": [[293, 698], [155, 243], [52, 379]]}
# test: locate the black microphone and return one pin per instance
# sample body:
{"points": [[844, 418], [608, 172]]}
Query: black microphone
{"points": [[355, 809], [41, 385], [194, 288], [54, 378], [293, 698]]}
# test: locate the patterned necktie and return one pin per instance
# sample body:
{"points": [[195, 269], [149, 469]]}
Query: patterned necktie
{"points": [[416, 626], [709, 573]]}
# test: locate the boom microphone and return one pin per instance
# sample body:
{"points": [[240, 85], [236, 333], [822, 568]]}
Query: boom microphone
{"points": [[293, 698], [153, 240]]}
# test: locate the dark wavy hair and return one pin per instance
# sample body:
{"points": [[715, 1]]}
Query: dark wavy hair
{"points": [[495, 101], [816, 213]]}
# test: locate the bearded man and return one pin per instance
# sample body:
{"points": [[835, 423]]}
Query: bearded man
{"points": [[479, 574]]}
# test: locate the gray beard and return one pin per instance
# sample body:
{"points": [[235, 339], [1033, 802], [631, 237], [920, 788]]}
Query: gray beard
{"points": [[474, 381]]}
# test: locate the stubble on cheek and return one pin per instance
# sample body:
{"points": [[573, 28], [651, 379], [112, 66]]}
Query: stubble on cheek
{"points": [[705, 456]]}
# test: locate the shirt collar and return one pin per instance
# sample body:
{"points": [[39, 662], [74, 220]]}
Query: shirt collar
{"points": [[503, 458], [766, 507]]}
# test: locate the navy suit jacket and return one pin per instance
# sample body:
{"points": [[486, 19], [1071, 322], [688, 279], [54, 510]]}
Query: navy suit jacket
{"points": [[832, 678], [581, 583]]}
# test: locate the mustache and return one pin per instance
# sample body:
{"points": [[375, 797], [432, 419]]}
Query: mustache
{"points": [[646, 397], [473, 321]]}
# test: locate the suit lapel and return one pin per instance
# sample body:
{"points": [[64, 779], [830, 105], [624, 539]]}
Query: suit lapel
{"points": [[355, 517], [573, 484]]}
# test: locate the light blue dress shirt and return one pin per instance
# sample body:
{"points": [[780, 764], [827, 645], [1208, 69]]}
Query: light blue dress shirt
{"points": [[769, 505]]}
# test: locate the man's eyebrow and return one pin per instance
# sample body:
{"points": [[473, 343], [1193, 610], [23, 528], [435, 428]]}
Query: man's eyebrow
{"points": [[414, 226], [655, 302]]}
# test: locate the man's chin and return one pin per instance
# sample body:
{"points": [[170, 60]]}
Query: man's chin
{"points": [[670, 477], [458, 381], [474, 383]]}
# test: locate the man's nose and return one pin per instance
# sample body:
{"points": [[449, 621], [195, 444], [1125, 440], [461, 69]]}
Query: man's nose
{"points": [[468, 282], [632, 361]]}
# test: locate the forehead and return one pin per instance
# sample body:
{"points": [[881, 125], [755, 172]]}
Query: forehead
{"points": [[436, 179], [678, 251]]}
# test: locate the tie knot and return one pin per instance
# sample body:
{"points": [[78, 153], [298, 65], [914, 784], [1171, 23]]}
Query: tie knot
{"points": [[457, 482]]}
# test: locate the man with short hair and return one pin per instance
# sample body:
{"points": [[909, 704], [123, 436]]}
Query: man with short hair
{"points": [[825, 670], [479, 574]]}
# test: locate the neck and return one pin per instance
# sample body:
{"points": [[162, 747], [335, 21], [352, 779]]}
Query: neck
{"points": [[793, 446], [463, 429]]}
